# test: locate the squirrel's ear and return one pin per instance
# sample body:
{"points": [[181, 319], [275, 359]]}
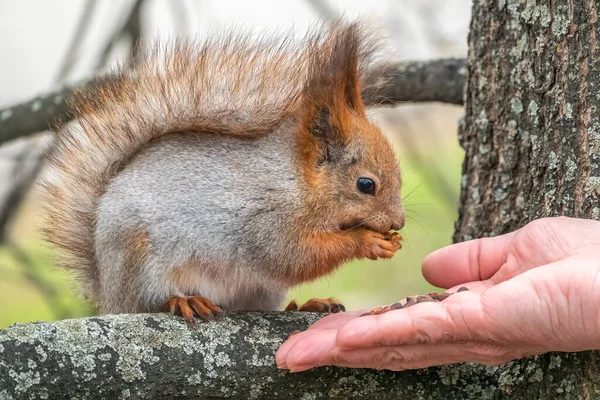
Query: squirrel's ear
{"points": [[332, 92]]}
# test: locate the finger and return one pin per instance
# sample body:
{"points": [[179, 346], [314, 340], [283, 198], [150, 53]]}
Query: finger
{"points": [[459, 317], [309, 344], [552, 307], [475, 286], [333, 321], [399, 358], [475, 260]]}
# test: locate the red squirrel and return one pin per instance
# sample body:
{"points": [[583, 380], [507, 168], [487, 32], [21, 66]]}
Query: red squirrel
{"points": [[215, 176]]}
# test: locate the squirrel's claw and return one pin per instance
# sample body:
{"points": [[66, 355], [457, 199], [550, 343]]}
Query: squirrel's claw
{"points": [[187, 307], [329, 305]]}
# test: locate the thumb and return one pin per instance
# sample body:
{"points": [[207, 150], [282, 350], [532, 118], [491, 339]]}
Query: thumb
{"points": [[475, 260]]}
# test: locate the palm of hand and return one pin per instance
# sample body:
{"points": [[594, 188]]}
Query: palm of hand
{"points": [[532, 291]]}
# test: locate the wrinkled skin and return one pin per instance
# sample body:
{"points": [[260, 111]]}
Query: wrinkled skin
{"points": [[531, 291]]}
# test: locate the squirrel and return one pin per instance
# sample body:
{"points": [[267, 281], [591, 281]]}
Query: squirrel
{"points": [[216, 176]]}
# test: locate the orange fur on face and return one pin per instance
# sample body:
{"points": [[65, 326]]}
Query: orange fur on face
{"points": [[336, 144]]}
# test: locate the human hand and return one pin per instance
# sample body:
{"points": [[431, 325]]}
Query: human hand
{"points": [[531, 291]]}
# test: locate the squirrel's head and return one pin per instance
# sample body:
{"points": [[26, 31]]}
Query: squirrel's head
{"points": [[349, 166]]}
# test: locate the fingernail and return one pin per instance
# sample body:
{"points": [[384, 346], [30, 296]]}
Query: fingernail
{"points": [[298, 368], [282, 365]]}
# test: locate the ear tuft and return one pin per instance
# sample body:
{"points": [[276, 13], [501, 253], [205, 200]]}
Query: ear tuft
{"points": [[332, 91], [321, 124]]}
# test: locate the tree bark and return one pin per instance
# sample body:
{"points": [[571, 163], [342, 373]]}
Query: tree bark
{"points": [[157, 356], [531, 130], [417, 81]]}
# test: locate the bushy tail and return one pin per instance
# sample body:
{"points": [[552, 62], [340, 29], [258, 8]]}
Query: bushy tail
{"points": [[232, 86]]}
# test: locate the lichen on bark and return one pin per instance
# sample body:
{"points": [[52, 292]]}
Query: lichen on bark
{"points": [[157, 356], [531, 130]]}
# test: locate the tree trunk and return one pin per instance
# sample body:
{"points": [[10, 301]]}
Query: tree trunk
{"points": [[532, 129], [531, 132]]}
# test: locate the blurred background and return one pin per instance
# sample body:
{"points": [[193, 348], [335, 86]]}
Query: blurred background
{"points": [[48, 44]]}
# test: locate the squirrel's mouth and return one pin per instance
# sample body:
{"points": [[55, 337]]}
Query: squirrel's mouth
{"points": [[358, 224]]}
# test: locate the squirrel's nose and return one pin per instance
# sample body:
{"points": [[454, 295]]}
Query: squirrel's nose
{"points": [[396, 226]]}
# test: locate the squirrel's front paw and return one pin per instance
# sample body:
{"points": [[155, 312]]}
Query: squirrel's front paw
{"points": [[374, 245], [187, 307]]}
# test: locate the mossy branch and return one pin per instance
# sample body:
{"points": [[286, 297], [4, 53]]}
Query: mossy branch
{"points": [[157, 356]]}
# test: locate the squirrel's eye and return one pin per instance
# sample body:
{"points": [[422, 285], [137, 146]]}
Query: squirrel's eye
{"points": [[366, 185]]}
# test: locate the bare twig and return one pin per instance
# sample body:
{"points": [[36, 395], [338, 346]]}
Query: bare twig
{"points": [[28, 163], [183, 15], [78, 37], [131, 30], [323, 8], [46, 288], [35, 115]]}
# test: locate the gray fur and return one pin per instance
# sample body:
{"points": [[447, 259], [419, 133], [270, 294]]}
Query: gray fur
{"points": [[234, 196]]}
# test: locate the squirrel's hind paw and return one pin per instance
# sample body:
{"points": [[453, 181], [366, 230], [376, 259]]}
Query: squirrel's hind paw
{"points": [[188, 307], [329, 305]]}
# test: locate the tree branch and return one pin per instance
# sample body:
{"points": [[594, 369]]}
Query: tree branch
{"points": [[35, 115], [76, 41], [27, 165], [417, 81], [131, 29], [426, 81], [157, 356]]}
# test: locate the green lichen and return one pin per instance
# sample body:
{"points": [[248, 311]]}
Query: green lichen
{"points": [[545, 16], [552, 160], [570, 169], [560, 24], [516, 106], [5, 114], [230, 358], [532, 112], [569, 111], [593, 186], [555, 361], [520, 201], [475, 195]]}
